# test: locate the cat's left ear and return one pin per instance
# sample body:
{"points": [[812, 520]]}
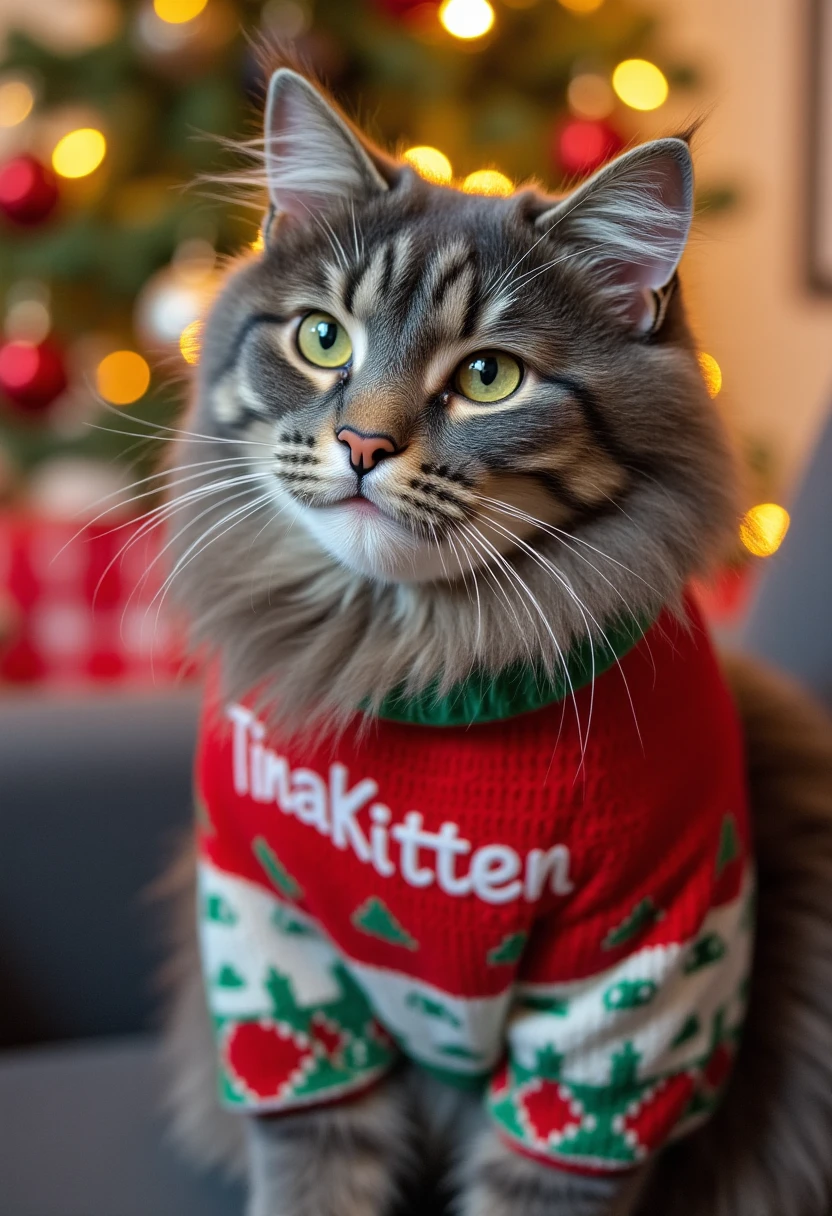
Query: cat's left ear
{"points": [[313, 156], [629, 224]]}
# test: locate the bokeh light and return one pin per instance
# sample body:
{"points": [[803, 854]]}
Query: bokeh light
{"points": [[79, 153], [430, 163], [640, 84], [711, 374], [122, 377], [16, 102], [258, 244], [467, 18], [590, 96], [177, 12], [190, 341], [584, 145], [763, 528], [488, 181], [19, 363], [582, 6], [27, 320]]}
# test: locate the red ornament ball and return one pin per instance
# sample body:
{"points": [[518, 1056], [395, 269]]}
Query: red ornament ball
{"points": [[32, 376], [583, 145], [28, 190]]}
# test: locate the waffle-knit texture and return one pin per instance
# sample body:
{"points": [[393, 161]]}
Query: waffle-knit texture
{"points": [[555, 906]]}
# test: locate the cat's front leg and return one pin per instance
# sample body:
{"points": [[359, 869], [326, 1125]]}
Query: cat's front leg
{"points": [[349, 1159], [497, 1181]]}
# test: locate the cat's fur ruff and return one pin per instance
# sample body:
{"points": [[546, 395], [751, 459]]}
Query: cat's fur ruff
{"points": [[627, 479]]}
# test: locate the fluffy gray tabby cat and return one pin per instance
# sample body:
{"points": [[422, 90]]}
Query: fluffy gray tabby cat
{"points": [[585, 469]]}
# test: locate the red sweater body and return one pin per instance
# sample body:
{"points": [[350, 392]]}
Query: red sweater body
{"points": [[555, 902]]}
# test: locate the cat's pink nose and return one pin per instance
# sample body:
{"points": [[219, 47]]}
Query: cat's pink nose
{"points": [[365, 450]]}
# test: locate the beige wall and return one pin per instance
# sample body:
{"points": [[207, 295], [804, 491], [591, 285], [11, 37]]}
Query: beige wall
{"points": [[745, 271]]}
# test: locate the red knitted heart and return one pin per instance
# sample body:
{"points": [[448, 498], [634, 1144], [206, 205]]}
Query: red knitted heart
{"points": [[550, 1109], [265, 1058]]}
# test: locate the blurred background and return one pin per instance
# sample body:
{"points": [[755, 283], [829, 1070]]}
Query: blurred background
{"points": [[110, 249]]}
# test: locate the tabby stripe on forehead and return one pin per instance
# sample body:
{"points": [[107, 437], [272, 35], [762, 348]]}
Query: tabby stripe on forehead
{"points": [[354, 277], [449, 276], [472, 311], [407, 288], [387, 273]]}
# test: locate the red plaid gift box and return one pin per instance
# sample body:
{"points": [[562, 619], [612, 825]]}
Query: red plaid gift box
{"points": [[85, 605]]}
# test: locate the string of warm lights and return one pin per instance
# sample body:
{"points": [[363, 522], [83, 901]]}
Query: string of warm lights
{"points": [[430, 163], [16, 101], [122, 377], [591, 97], [640, 84], [711, 374], [190, 341], [177, 12], [763, 528], [466, 18], [488, 181], [582, 6], [79, 153]]}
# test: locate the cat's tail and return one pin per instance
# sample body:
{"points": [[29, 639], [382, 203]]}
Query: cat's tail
{"points": [[768, 1150]]}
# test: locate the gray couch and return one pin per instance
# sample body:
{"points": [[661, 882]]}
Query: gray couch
{"points": [[94, 793]]}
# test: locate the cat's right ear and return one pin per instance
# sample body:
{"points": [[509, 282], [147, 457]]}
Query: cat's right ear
{"points": [[313, 157]]}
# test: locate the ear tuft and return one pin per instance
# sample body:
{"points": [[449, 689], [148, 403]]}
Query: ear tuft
{"points": [[629, 224], [313, 156]]}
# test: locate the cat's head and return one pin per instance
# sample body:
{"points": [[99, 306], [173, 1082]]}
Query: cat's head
{"points": [[423, 395]]}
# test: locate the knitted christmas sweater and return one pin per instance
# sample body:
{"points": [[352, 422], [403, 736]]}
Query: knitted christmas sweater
{"points": [[541, 890]]}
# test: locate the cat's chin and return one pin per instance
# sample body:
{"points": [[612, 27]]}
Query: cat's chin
{"points": [[364, 539]]}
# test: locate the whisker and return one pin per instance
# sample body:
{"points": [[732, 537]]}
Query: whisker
{"points": [[174, 437], [243, 513], [532, 274], [584, 611], [476, 591], [275, 515], [161, 514], [563, 536], [533, 600], [328, 231], [354, 229], [531, 248], [564, 582], [224, 462], [483, 546], [193, 550]]}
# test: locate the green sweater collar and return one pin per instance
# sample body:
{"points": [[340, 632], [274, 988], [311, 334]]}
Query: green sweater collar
{"points": [[518, 689]]}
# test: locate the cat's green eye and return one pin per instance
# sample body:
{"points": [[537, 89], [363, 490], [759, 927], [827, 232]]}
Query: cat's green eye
{"points": [[324, 341], [488, 376]]}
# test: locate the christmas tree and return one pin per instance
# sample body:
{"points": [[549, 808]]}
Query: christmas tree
{"points": [[114, 114]]}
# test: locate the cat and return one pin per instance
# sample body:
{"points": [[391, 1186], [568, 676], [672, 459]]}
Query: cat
{"points": [[501, 457]]}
